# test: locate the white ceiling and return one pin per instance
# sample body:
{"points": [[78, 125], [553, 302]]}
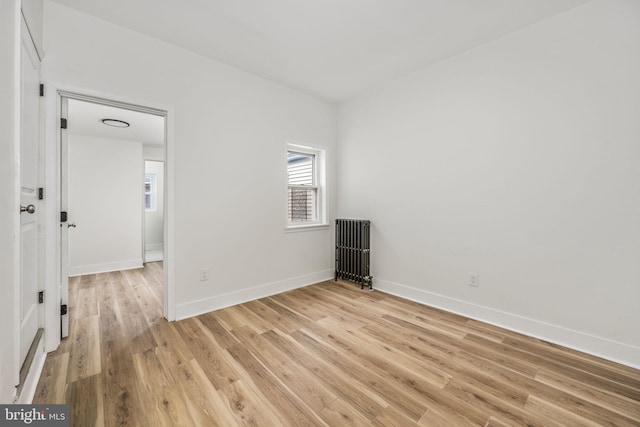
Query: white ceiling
{"points": [[332, 49], [85, 118]]}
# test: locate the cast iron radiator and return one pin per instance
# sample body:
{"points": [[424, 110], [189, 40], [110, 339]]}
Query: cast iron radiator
{"points": [[353, 251]]}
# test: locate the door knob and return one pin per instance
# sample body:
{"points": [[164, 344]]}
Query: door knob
{"points": [[28, 209], [71, 224]]}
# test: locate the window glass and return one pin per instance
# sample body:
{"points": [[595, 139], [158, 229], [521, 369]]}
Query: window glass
{"points": [[300, 168]]}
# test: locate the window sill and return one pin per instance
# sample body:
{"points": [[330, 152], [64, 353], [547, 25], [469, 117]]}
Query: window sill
{"points": [[305, 227]]}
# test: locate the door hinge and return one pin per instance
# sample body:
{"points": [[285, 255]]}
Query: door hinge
{"points": [[40, 297], [40, 193], [63, 123], [41, 89], [63, 309], [63, 216]]}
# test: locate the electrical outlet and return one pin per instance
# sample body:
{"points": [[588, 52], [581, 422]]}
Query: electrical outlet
{"points": [[204, 274], [474, 280]]}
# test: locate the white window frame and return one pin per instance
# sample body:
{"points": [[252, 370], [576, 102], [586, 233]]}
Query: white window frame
{"points": [[319, 170]]}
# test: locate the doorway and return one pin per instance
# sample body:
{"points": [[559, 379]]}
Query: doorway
{"points": [[103, 146], [153, 210]]}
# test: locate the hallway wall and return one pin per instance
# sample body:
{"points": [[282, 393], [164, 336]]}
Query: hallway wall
{"points": [[105, 202]]}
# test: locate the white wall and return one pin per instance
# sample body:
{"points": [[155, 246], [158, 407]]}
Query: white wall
{"points": [[32, 11], [221, 115], [518, 161], [154, 219], [9, 201], [153, 153], [105, 203]]}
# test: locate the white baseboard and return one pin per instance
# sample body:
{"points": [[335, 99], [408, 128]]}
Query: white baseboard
{"points": [[217, 302], [31, 381], [81, 270], [601, 347]]}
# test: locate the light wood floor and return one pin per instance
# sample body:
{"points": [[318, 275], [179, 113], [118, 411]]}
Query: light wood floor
{"points": [[328, 354]]}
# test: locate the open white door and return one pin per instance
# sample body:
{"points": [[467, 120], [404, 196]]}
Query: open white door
{"points": [[30, 313], [64, 225]]}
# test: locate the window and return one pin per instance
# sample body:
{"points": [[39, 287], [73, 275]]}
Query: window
{"points": [[305, 181], [150, 192]]}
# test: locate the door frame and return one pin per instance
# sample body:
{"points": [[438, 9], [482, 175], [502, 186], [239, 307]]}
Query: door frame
{"points": [[54, 94]]}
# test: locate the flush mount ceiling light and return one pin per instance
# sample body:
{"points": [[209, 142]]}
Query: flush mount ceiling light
{"points": [[115, 123]]}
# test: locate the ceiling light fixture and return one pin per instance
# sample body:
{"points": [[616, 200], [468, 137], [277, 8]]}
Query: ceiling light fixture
{"points": [[115, 123]]}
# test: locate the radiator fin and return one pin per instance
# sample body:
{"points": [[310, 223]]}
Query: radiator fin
{"points": [[353, 251]]}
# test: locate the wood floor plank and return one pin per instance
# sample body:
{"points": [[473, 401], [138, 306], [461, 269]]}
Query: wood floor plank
{"points": [[361, 398], [249, 319], [123, 396], [438, 418], [207, 352], [490, 404], [349, 305], [338, 413], [591, 365], [496, 422], [570, 402], [148, 301], [436, 352], [289, 406], [87, 393], [513, 390], [423, 320], [111, 323], [419, 309], [622, 388], [313, 393], [556, 415], [385, 386], [287, 313], [353, 291], [53, 380], [612, 402], [385, 354], [151, 372], [87, 303], [223, 337], [334, 311], [229, 319], [167, 337], [84, 355], [478, 328], [204, 404], [249, 407], [300, 303], [329, 354], [392, 417], [166, 407], [271, 318]]}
